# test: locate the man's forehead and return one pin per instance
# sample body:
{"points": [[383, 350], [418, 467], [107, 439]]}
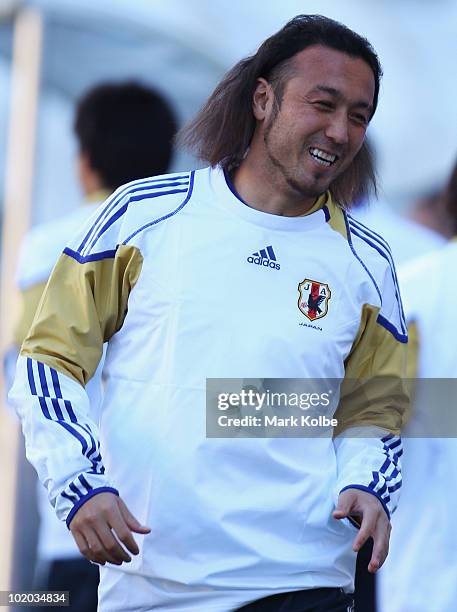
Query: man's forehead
{"points": [[321, 54], [327, 68]]}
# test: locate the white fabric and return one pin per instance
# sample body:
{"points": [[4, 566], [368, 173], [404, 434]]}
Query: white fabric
{"points": [[420, 574], [232, 519]]}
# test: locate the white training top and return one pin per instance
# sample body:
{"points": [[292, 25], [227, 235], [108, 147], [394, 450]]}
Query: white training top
{"points": [[420, 573], [187, 282]]}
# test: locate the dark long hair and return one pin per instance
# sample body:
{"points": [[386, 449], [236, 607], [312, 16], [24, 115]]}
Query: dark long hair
{"points": [[222, 130]]}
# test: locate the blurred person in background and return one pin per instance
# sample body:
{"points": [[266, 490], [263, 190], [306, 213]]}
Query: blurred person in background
{"points": [[421, 572], [124, 132], [430, 210], [410, 235], [166, 273]]}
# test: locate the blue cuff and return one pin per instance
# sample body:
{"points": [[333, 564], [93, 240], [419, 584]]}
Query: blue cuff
{"points": [[368, 490], [83, 500]]}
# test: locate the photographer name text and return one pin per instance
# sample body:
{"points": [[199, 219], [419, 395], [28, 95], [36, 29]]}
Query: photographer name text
{"points": [[276, 421]]}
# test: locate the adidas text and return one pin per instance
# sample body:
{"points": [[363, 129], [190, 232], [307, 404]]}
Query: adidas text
{"points": [[262, 261]]}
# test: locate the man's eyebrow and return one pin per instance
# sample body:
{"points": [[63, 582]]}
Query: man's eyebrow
{"points": [[337, 94]]}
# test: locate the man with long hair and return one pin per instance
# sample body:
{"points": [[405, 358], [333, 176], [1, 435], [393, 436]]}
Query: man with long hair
{"points": [[249, 269]]}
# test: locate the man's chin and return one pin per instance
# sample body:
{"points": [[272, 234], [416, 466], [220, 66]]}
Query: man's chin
{"points": [[310, 189]]}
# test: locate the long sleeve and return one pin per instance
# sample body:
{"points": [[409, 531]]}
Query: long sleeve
{"points": [[83, 306], [374, 403], [62, 441]]}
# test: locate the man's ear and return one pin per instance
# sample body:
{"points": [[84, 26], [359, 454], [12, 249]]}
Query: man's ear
{"points": [[83, 166], [262, 99]]}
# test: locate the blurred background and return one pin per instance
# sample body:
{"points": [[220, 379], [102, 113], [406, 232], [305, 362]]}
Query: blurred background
{"points": [[51, 51]]}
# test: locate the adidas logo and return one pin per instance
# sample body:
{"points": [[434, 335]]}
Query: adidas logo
{"points": [[265, 257]]}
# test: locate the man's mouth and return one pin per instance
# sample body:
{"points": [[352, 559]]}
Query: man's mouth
{"points": [[322, 157]]}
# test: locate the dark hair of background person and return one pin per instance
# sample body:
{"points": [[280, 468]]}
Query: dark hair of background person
{"points": [[126, 130], [222, 130], [450, 200]]}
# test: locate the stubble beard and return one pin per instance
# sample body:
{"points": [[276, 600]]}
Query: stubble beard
{"points": [[297, 187]]}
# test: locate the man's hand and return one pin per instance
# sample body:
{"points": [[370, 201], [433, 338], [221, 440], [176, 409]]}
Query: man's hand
{"points": [[374, 523], [93, 526]]}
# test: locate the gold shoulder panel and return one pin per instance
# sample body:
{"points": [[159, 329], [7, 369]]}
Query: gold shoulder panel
{"points": [[83, 306], [374, 392]]}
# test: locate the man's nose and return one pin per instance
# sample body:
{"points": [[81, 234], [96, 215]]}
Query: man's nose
{"points": [[338, 128]]}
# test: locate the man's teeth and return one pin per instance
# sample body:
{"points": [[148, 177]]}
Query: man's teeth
{"points": [[323, 158]]}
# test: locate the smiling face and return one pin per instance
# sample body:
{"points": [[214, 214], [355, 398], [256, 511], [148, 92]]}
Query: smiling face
{"points": [[321, 121]]}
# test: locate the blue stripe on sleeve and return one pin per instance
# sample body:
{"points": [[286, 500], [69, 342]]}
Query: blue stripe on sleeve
{"points": [[392, 329], [30, 376], [151, 193], [84, 483], [387, 438], [44, 407], [117, 197], [394, 444], [93, 445], [375, 480], [400, 336], [390, 443], [87, 450], [71, 414], [56, 383], [380, 240], [148, 196], [385, 465], [348, 230], [75, 489], [43, 381], [94, 257], [121, 211], [375, 245], [382, 489], [117, 215], [395, 487], [57, 409], [94, 470], [180, 207], [70, 497], [369, 232]]}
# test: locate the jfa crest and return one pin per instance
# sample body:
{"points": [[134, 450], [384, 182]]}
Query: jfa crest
{"points": [[313, 299]]}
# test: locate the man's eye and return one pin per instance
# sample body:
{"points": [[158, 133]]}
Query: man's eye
{"points": [[324, 104], [360, 119]]}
